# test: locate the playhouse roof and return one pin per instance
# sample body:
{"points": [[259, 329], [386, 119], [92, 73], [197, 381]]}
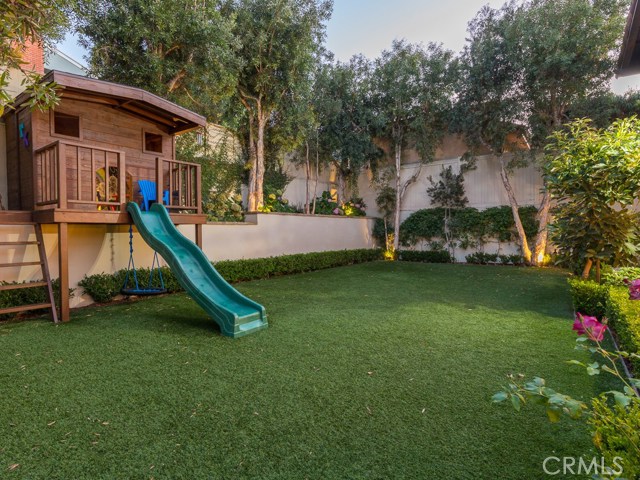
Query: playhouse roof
{"points": [[135, 101], [629, 60]]}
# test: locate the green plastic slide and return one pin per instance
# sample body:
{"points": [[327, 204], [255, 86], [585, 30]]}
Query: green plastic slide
{"points": [[236, 314]]}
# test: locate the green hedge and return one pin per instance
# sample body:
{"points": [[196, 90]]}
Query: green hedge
{"points": [[589, 297], [618, 275], [428, 256], [103, 287], [27, 296], [616, 431], [469, 226], [612, 302], [624, 318]]}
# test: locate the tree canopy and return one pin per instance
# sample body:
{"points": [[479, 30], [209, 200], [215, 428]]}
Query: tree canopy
{"points": [[180, 50], [595, 176], [524, 65], [23, 22], [278, 42], [413, 91], [347, 122]]}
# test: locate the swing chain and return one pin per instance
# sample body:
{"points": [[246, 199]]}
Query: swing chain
{"points": [[131, 267]]}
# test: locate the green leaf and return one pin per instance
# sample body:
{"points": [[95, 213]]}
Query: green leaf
{"points": [[553, 415], [515, 401], [621, 399], [499, 397], [576, 362], [593, 369]]}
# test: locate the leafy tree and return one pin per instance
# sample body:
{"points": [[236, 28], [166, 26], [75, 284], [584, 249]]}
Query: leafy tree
{"points": [[178, 49], [595, 176], [278, 42], [413, 91], [221, 170], [604, 109], [346, 118], [524, 66], [448, 193], [386, 203], [23, 22]]}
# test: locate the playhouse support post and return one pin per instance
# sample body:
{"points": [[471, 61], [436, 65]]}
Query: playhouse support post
{"points": [[199, 236], [63, 266]]}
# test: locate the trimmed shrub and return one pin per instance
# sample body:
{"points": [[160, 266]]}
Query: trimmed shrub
{"points": [[469, 226], [515, 259], [482, 258], [427, 256], [624, 318], [27, 296], [617, 276], [424, 224], [103, 287], [589, 297], [615, 432]]}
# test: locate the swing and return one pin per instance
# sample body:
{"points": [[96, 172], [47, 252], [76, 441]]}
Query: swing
{"points": [[136, 289]]}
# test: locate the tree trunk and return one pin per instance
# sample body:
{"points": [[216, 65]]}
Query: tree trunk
{"points": [[251, 199], [315, 185], [587, 268], [396, 216], [543, 232], [307, 180], [524, 245], [259, 180]]}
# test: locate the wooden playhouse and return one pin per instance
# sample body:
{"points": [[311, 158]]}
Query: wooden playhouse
{"points": [[80, 162]]}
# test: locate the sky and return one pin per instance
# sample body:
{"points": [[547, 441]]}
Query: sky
{"points": [[369, 27]]}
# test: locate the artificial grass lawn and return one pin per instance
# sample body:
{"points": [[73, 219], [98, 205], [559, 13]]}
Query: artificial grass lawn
{"points": [[377, 371]]}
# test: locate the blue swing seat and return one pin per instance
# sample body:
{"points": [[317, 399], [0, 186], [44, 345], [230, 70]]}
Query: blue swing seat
{"points": [[149, 194]]}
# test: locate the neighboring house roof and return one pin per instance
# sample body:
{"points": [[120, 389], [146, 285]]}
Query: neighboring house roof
{"points": [[54, 59], [629, 60], [134, 101]]}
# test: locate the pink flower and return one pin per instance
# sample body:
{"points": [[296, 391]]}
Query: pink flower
{"points": [[589, 326], [634, 289], [336, 211]]}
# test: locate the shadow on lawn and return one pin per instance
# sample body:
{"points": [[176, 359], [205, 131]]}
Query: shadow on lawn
{"points": [[469, 287]]}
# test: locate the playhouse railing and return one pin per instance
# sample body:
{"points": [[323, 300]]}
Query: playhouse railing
{"points": [[70, 175], [184, 182], [79, 176]]}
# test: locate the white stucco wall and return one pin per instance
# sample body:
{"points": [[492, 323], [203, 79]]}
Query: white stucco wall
{"points": [[483, 186], [105, 248]]}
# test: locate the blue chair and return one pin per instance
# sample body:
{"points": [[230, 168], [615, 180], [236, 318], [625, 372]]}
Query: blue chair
{"points": [[149, 195]]}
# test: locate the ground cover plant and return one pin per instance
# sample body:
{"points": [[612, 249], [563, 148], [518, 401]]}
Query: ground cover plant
{"points": [[380, 370]]}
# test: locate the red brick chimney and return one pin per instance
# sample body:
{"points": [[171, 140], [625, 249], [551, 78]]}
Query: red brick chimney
{"points": [[34, 57]]}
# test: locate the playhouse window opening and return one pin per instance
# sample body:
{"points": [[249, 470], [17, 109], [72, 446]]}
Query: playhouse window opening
{"points": [[152, 142], [67, 125]]}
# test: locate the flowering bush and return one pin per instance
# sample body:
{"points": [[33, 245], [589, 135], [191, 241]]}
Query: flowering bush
{"points": [[589, 326], [326, 204], [601, 417], [634, 288], [224, 207], [274, 201]]}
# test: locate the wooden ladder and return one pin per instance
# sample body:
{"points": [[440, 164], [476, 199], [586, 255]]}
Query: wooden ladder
{"points": [[46, 278]]}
